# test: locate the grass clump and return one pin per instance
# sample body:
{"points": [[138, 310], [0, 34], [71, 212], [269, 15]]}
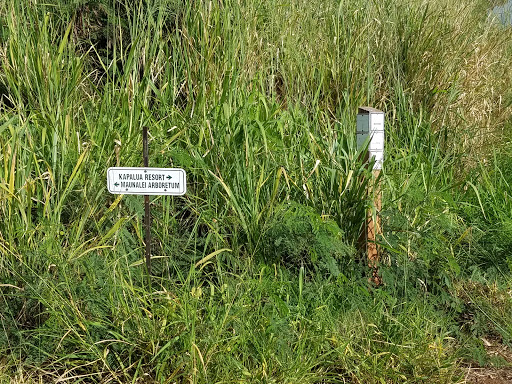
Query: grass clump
{"points": [[255, 272]]}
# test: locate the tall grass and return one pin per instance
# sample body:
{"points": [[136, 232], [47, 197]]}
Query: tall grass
{"points": [[256, 277]]}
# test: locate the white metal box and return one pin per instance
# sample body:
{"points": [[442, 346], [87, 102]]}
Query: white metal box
{"points": [[370, 123]]}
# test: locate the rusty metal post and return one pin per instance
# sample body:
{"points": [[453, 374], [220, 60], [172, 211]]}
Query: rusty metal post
{"points": [[147, 215]]}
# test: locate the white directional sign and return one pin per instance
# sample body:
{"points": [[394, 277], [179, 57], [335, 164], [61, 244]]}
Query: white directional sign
{"points": [[147, 181]]}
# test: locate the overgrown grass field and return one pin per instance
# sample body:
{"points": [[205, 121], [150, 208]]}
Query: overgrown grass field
{"points": [[256, 274]]}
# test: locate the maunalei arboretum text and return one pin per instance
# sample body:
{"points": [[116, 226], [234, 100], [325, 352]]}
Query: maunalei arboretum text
{"points": [[146, 181]]}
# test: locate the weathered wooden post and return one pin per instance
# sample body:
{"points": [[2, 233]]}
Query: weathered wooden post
{"points": [[370, 126]]}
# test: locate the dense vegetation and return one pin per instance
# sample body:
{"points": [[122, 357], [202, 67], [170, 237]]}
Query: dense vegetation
{"points": [[256, 274]]}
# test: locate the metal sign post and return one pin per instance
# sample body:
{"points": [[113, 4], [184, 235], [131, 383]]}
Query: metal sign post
{"points": [[370, 124], [147, 219], [146, 181]]}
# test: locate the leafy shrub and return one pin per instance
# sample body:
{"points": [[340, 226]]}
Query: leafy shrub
{"points": [[298, 236]]}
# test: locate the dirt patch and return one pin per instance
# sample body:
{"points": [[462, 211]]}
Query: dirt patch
{"points": [[489, 375]]}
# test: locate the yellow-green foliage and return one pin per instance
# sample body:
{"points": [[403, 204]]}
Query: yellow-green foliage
{"points": [[257, 101]]}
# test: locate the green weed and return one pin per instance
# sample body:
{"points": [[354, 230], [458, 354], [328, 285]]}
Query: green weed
{"points": [[255, 274]]}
